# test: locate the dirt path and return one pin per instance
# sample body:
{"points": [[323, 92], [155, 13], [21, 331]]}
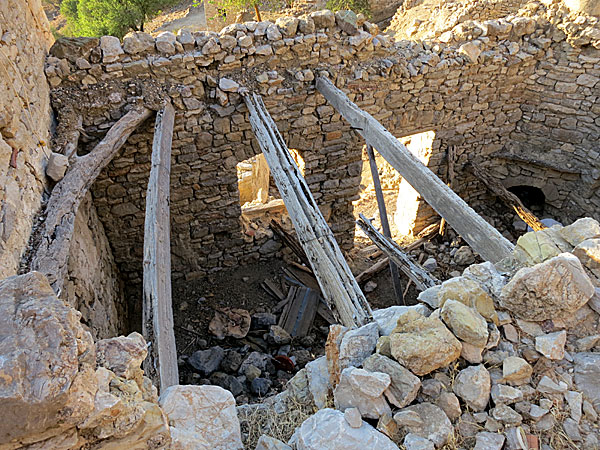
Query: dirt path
{"points": [[184, 16]]}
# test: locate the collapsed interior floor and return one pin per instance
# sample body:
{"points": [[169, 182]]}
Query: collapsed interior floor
{"points": [[195, 303]]}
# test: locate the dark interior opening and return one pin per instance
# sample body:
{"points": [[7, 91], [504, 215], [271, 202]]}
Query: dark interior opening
{"points": [[533, 198]]}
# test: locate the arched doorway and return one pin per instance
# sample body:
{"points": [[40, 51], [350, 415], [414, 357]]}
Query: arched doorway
{"points": [[532, 197]]}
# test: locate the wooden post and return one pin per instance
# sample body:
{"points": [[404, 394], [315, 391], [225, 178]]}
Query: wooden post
{"points": [[450, 156], [385, 224], [157, 313], [52, 254], [412, 270], [480, 235], [336, 281]]}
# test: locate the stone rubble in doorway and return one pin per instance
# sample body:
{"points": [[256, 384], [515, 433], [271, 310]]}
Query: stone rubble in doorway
{"points": [[532, 380]]}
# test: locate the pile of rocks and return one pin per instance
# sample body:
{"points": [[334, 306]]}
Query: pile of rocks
{"points": [[257, 366], [500, 357]]}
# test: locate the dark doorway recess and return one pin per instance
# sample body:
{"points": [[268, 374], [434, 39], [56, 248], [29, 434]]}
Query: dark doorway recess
{"points": [[533, 198]]}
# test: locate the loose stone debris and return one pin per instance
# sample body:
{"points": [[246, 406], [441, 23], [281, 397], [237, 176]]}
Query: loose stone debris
{"points": [[536, 387]]}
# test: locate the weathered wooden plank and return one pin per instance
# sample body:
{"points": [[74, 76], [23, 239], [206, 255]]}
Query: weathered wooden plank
{"points": [[385, 225], [290, 241], [157, 315], [370, 272], [333, 274], [52, 254], [509, 199], [480, 235], [451, 157], [412, 270], [301, 313]]}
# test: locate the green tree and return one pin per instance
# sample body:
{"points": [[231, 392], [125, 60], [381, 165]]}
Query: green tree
{"points": [[114, 17]]}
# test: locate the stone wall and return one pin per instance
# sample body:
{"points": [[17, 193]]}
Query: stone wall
{"points": [[93, 285], [474, 91], [24, 124], [555, 144]]}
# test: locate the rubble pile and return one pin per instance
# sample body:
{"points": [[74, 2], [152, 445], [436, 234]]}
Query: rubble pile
{"points": [[503, 356], [254, 367]]}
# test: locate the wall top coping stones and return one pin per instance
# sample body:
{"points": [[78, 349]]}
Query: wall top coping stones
{"points": [[239, 47]]}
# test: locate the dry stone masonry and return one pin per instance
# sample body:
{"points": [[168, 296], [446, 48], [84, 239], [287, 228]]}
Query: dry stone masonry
{"points": [[495, 90], [516, 92]]}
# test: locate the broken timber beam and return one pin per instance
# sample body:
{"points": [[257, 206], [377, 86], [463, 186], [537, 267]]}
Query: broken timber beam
{"points": [[336, 281], [157, 312], [52, 254], [509, 199], [480, 235], [412, 270]]}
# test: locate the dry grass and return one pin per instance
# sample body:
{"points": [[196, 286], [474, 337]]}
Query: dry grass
{"points": [[263, 419], [556, 437]]}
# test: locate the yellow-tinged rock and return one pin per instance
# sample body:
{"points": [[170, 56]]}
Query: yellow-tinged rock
{"points": [[538, 246], [469, 293], [465, 322], [423, 344], [383, 346], [580, 230], [516, 371]]}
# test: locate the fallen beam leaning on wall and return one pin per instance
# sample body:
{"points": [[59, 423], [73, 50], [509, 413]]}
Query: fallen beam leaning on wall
{"points": [[337, 283], [479, 234], [52, 254], [509, 199], [412, 270], [157, 312]]}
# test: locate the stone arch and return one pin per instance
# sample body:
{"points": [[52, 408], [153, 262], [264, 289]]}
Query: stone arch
{"points": [[550, 190]]}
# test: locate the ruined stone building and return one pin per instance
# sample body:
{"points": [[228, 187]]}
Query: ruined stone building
{"points": [[511, 86]]}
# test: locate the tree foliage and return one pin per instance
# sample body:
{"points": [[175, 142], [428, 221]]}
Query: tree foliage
{"points": [[358, 6], [113, 17]]}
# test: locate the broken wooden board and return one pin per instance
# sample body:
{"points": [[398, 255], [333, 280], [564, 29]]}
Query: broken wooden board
{"points": [[412, 270], [290, 241], [274, 206], [271, 288], [157, 311], [509, 199], [480, 235], [300, 312], [325, 257]]}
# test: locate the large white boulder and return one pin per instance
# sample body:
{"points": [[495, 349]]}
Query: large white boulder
{"points": [[201, 418], [387, 318], [359, 388], [551, 290], [358, 344], [329, 430]]}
